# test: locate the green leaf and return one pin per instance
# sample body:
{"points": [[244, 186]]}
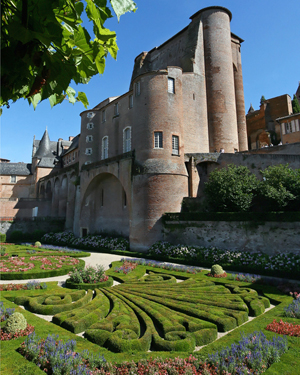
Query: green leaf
{"points": [[71, 95], [35, 99], [122, 6], [83, 99]]}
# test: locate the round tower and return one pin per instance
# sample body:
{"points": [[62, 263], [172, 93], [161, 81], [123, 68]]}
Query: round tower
{"points": [[160, 178], [222, 117]]}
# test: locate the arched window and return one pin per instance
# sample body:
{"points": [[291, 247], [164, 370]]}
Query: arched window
{"points": [[105, 147], [127, 139]]}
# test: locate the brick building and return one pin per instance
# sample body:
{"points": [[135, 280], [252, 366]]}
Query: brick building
{"points": [[130, 163]]}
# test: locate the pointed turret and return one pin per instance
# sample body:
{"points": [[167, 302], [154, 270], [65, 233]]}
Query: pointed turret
{"points": [[251, 109], [44, 146]]}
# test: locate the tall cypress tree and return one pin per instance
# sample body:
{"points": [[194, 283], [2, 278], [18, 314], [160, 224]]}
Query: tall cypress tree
{"points": [[295, 104]]}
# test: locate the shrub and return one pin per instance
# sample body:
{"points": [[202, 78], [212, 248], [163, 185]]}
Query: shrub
{"points": [[88, 275], [231, 189], [3, 251], [280, 188], [16, 322], [216, 270], [37, 244], [2, 237], [16, 236]]}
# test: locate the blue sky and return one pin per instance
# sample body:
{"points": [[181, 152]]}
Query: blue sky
{"points": [[270, 58]]}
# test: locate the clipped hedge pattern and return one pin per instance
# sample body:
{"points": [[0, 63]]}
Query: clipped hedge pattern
{"points": [[85, 286], [154, 312]]}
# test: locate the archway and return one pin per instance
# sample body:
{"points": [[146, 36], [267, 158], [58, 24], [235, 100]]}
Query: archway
{"points": [[104, 207], [62, 209]]}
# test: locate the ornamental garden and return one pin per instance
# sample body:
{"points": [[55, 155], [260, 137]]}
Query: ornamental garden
{"points": [[174, 310]]}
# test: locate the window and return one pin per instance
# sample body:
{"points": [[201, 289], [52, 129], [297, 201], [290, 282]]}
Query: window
{"points": [[171, 85], [138, 88], [105, 147], [116, 109], [87, 162], [158, 140], [90, 125], [130, 101], [288, 127], [90, 115], [13, 179], [88, 151], [89, 138], [103, 116], [175, 145], [127, 139]]}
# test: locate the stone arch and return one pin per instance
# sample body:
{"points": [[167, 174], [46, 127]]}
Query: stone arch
{"points": [[204, 168], [55, 197], [71, 197], [63, 195], [104, 206], [42, 192], [48, 192], [263, 139]]}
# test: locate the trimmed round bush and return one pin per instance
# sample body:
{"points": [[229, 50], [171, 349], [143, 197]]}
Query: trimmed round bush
{"points": [[216, 270], [15, 323], [85, 286], [37, 244]]}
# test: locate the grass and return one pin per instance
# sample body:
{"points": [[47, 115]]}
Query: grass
{"points": [[159, 301]]}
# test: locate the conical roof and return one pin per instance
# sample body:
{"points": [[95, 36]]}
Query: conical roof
{"points": [[251, 109], [44, 146]]}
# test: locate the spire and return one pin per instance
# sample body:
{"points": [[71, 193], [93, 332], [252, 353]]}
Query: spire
{"points": [[44, 146], [251, 109]]}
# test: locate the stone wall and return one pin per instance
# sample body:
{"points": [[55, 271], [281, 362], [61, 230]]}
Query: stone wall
{"points": [[267, 237], [32, 225]]}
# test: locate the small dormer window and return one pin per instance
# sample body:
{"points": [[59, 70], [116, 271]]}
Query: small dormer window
{"points": [[116, 109], [90, 125], [13, 179], [90, 115], [130, 101], [171, 85], [138, 88]]}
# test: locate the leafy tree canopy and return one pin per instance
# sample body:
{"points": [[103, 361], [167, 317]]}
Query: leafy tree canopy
{"points": [[231, 189], [295, 104], [44, 46], [280, 187], [262, 100]]}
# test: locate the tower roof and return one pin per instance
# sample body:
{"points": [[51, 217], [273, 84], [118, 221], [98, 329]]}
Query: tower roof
{"points": [[44, 146]]}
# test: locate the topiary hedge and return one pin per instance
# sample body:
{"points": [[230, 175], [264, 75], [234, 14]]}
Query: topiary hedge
{"points": [[85, 286]]}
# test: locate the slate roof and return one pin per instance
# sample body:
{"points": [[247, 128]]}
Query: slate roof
{"points": [[17, 169], [74, 145]]}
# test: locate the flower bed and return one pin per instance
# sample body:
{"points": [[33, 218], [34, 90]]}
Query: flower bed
{"points": [[284, 328], [165, 266], [37, 266], [280, 265], [126, 268], [94, 243], [31, 285], [293, 310], [217, 276], [4, 336], [53, 356], [107, 282]]}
